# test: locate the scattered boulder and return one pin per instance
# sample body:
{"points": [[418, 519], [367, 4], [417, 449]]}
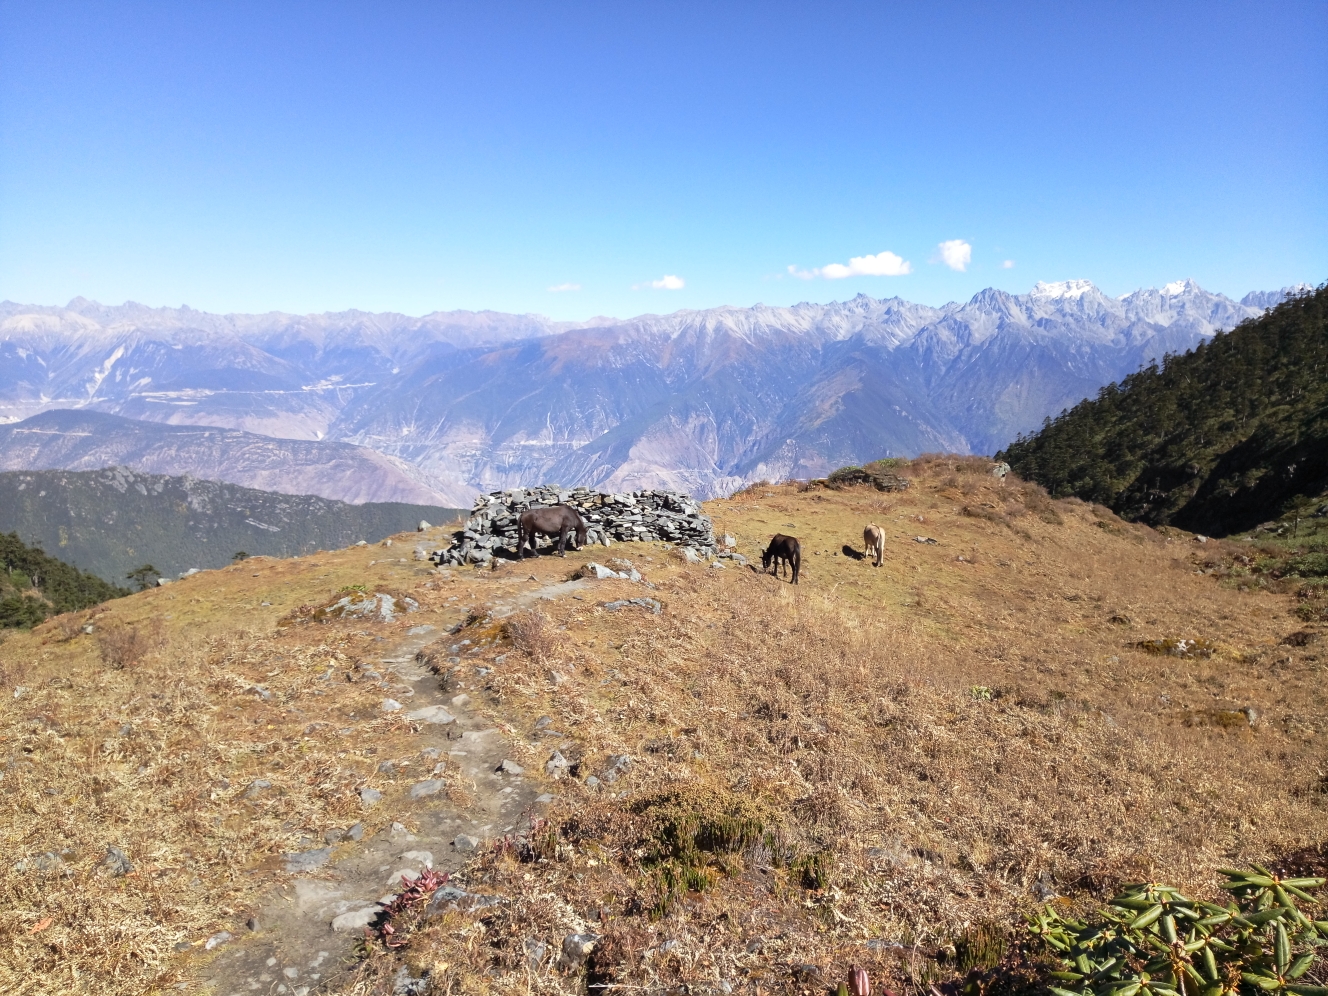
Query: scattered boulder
{"points": [[422, 526], [880, 480], [924, 539], [619, 765], [510, 767], [370, 797], [430, 786], [465, 842], [378, 607], [436, 715], [116, 862], [576, 949], [49, 863], [651, 604], [307, 861], [355, 921], [391, 705], [556, 766]]}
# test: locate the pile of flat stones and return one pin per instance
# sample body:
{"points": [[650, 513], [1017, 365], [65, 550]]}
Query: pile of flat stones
{"points": [[641, 516]]}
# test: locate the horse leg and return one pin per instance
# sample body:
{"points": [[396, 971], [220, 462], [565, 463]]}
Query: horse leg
{"points": [[562, 542], [797, 563]]}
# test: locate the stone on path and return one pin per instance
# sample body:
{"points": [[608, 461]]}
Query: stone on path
{"points": [[391, 705], [430, 786], [216, 940], [355, 920], [465, 842], [511, 767], [370, 797], [431, 714], [307, 861]]}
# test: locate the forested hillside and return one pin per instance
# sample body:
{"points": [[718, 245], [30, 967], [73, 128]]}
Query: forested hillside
{"points": [[34, 586], [113, 521], [1217, 440]]}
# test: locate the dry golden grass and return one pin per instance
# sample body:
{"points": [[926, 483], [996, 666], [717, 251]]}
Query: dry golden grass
{"points": [[923, 747], [933, 742]]}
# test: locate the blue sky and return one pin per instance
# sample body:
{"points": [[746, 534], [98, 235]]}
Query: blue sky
{"points": [[648, 157]]}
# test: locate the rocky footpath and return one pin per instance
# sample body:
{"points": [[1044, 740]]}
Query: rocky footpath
{"points": [[642, 516]]}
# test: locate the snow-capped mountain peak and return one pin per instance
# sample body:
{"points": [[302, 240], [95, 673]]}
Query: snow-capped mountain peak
{"points": [[1062, 289]]}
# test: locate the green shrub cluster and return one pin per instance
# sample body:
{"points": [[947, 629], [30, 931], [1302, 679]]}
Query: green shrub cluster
{"points": [[34, 585], [1152, 940]]}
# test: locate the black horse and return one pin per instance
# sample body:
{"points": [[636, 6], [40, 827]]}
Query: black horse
{"points": [[783, 550], [551, 520]]}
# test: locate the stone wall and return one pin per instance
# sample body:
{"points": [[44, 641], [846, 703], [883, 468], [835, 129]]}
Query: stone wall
{"points": [[670, 516]]}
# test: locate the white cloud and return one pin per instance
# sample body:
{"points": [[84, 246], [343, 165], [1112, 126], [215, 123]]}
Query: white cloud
{"points": [[560, 288], [1008, 265], [883, 264], [956, 254], [666, 282]]}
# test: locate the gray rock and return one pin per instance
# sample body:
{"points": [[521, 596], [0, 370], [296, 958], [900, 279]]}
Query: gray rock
{"points": [[49, 863], [307, 861], [545, 799], [405, 984], [436, 715], [117, 862], [448, 897], [650, 604], [370, 797], [431, 786], [924, 539], [728, 541], [422, 526], [510, 767], [592, 782], [334, 836], [619, 764], [256, 788], [535, 951], [576, 949], [465, 842], [356, 832], [556, 766], [217, 940], [391, 705], [355, 921], [424, 858]]}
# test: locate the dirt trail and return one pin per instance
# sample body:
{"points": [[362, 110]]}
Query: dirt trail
{"points": [[305, 933]]}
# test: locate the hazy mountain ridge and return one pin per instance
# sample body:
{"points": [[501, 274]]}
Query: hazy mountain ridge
{"points": [[695, 399], [91, 440], [110, 522]]}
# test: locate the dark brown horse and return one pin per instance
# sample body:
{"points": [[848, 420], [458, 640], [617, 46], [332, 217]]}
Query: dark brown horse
{"points": [[783, 550], [550, 520]]}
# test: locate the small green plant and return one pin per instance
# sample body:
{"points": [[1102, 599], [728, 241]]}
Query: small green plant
{"points": [[980, 693], [1151, 940]]}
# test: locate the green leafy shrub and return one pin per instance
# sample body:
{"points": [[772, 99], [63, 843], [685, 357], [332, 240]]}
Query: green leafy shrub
{"points": [[1152, 940]]}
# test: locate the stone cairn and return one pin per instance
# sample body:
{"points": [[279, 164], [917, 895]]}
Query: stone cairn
{"points": [[670, 516]]}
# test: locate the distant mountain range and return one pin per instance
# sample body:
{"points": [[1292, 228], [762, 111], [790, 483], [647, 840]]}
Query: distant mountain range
{"points": [[698, 400], [110, 522]]}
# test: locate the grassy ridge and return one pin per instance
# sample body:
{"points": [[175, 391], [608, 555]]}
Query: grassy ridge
{"points": [[1218, 440], [111, 521]]}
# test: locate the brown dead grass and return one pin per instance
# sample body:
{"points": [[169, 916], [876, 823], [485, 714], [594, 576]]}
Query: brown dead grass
{"points": [[925, 746], [940, 739]]}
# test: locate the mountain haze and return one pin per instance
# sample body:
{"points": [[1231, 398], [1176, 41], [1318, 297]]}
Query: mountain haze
{"points": [[112, 521], [698, 400]]}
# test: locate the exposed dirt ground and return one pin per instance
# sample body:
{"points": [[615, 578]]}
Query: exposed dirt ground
{"points": [[886, 766]]}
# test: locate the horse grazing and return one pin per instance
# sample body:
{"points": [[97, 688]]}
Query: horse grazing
{"points": [[783, 550], [551, 520], [873, 539]]}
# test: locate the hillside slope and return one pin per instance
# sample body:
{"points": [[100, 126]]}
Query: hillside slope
{"points": [[1217, 440], [886, 767], [112, 521]]}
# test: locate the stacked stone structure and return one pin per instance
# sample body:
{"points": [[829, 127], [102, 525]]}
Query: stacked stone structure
{"points": [[670, 516]]}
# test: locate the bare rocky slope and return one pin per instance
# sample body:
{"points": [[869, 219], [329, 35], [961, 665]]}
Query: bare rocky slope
{"points": [[699, 401]]}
